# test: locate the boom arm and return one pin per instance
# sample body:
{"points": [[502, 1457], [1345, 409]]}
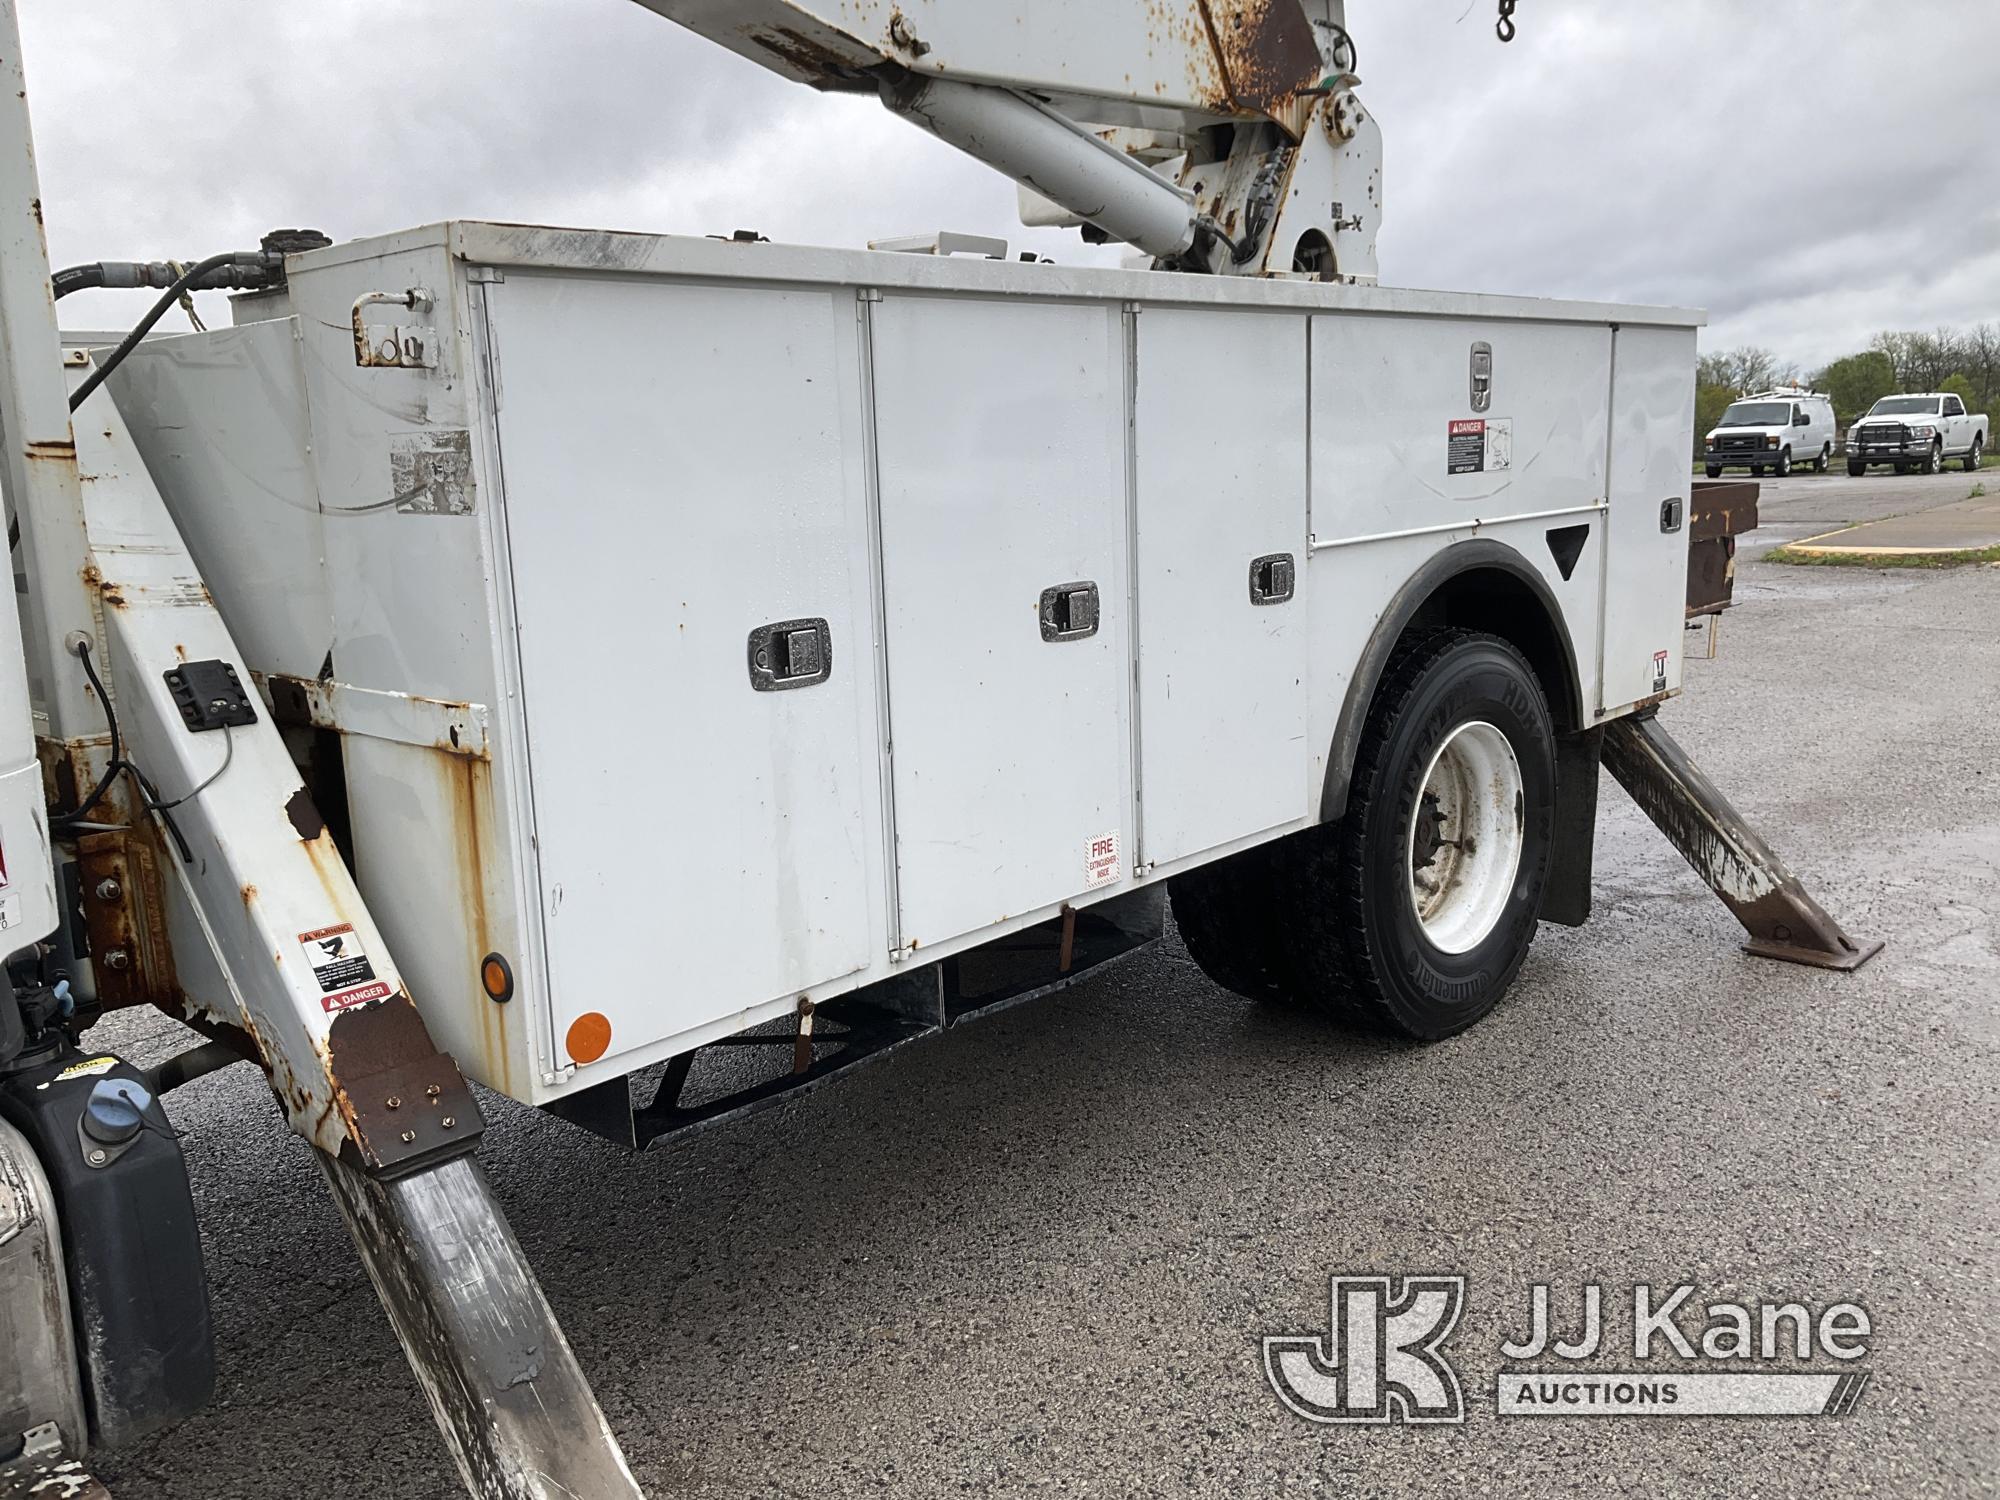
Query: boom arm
{"points": [[1215, 135]]}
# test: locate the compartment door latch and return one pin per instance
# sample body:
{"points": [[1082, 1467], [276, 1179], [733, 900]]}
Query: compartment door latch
{"points": [[1482, 376], [790, 654], [1273, 579], [1069, 611]]}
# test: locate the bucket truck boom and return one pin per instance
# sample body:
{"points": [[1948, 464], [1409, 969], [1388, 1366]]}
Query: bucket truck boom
{"points": [[1213, 135]]}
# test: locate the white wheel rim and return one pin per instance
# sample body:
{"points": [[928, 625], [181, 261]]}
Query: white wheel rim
{"points": [[1465, 837]]}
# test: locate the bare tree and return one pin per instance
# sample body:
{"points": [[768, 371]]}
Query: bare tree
{"points": [[1897, 347], [1982, 362], [1745, 369]]}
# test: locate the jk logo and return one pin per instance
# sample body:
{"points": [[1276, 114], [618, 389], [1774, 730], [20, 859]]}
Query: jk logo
{"points": [[1379, 1361]]}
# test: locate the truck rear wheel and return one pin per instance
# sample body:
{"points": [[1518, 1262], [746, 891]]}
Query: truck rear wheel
{"points": [[1416, 910], [1824, 461], [1974, 454], [1224, 913]]}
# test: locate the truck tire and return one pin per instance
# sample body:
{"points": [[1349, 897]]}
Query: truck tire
{"points": [[1224, 911], [1975, 453], [1855, 468], [1415, 911], [1933, 460], [1824, 461], [1785, 464], [1714, 471]]}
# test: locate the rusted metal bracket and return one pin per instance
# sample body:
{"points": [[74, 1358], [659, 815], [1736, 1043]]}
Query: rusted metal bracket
{"points": [[405, 1102], [394, 345], [802, 1041], [1782, 920], [1719, 511], [125, 913]]}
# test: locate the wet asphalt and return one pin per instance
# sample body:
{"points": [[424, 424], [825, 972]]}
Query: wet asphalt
{"points": [[1036, 1254]]}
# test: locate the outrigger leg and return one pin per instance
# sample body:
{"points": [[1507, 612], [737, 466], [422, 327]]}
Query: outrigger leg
{"points": [[508, 1395], [1783, 921]]}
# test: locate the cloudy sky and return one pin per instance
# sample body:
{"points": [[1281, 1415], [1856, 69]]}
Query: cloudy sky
{"points": [[1809, 171]]}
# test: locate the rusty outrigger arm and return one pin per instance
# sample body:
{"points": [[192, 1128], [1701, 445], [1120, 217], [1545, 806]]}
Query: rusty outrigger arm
{"points": [[1783, 921], [274, 940]]}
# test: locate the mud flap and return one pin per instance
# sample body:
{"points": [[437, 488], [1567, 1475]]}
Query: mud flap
{"points": [[1566, 898]]}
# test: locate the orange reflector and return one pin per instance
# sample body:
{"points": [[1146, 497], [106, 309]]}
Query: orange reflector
{"points": [[589, 1037]]}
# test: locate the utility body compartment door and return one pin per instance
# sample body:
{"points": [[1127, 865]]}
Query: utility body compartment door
{"points": [[1001, 450], [1403, 439], [703, 845], [1221, 469], [1646, 560]]}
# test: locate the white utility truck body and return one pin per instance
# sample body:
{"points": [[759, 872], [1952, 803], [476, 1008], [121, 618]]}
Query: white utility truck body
{"points": [[547, 656], [632, 452]]}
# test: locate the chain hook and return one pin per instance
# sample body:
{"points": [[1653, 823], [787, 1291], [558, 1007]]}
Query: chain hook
{"points": [[1506, 26]]}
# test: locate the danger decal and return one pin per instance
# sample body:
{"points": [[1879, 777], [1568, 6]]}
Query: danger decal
{"points": [[341, 968], [1480, 446]]}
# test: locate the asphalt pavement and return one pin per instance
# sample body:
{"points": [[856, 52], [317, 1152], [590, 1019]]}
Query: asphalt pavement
{"points": [[1037, 1254]]}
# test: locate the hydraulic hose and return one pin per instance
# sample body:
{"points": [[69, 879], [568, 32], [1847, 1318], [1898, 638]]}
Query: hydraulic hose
{"points": [[76, 278], [243, 269], [184, 282]]}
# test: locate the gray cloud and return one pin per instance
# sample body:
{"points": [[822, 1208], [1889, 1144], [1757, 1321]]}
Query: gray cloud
{"points": [[1783, 164], [1777, 163]]}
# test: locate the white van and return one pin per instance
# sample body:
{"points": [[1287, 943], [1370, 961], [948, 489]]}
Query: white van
{"points": [[1771, 431]]}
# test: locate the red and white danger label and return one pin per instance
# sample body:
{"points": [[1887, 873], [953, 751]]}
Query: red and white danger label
{"points": [[1480, 446], [341, 968]]}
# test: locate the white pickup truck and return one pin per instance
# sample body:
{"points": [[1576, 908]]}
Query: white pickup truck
{"points": [[1917, 433]]}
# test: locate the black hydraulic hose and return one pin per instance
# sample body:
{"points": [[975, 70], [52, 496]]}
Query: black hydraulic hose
{"points": [[209, 1057], [261, 267], [117, 760], [254, 268], [77, 278], [159, 309]]}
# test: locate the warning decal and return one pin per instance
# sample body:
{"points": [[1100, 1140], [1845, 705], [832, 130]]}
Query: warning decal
{"points": [[1100, 860], [340, 965], [1659, 671], [1479, 446]]}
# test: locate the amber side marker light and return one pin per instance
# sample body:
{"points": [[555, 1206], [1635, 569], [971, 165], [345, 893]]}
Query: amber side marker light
{"points": [[496, 977]]}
